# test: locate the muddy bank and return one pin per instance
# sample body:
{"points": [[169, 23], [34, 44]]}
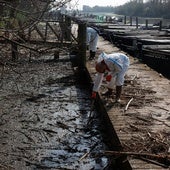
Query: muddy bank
{"points": [[44, 111]]}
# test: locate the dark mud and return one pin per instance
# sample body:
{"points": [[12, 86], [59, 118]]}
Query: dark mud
{"points": [[44, 110]]}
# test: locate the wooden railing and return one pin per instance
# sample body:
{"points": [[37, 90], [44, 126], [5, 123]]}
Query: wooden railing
{"points": [[63, 33]]}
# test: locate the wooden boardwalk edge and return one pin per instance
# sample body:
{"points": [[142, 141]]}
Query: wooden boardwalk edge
{"points": [[146, 114]]}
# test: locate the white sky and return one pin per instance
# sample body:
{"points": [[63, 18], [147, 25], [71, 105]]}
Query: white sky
{"points": [[93, 3]]}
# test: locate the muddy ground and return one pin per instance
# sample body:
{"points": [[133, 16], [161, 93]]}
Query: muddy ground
{"points": [[44, 114]]}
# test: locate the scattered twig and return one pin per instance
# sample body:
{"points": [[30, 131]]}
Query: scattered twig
{"points": [[64, 126], [27, 136], [159, 121], [153, 162], [134, 127], [17, 43], [164, 159], [162, 108], [13, 154], [49, 131], [143, 119], [87, 153], [136, 154], [6, 167], [128, 104]]}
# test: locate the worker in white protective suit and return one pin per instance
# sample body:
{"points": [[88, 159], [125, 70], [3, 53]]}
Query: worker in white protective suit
{"points": [[91, 40], [116, 65]]}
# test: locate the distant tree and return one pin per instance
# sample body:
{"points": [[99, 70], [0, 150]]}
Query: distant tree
{"points": [[152, 8], [97, 8]]}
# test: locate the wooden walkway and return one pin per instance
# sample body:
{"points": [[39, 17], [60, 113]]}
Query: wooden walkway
{"points": [[143, 126]]}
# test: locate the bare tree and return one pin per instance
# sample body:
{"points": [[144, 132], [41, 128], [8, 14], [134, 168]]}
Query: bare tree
{"points": [[20, 14], [18, 17]]}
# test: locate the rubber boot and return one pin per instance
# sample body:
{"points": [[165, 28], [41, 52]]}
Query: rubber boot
{"points": [[118, 93], [92, 55]]}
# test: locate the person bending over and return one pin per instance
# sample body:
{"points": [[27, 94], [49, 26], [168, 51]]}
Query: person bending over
{"points": [[116, 65]]}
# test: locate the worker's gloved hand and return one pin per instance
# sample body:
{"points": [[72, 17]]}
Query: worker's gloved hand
{"points": [[93, 96], [108, 77]]}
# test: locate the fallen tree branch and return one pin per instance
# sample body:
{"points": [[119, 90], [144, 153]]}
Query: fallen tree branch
{"points": [[87, 153], [17, 43], [163, 122], [153, 162], [135, 153], [163, 159]]}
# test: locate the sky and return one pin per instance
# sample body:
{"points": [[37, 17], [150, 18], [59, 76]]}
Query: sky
{"points": [[93, 3]]}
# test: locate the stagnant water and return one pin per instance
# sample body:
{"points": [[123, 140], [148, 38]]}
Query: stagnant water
{"points": [[44, 120]]}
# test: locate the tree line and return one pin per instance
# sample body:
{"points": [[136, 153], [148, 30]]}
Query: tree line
{"points": [[151, 8]]}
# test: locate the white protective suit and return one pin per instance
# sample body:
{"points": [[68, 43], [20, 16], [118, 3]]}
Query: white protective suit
{"points": [[92, 38], [117, 64]]}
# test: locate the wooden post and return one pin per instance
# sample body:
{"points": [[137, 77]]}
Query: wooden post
{"points": [[137, 22], [160, 25], [61, 20], [130, 20], [82, 44], [146, 24], [56, 55], [125, 20], [68, 28]]}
